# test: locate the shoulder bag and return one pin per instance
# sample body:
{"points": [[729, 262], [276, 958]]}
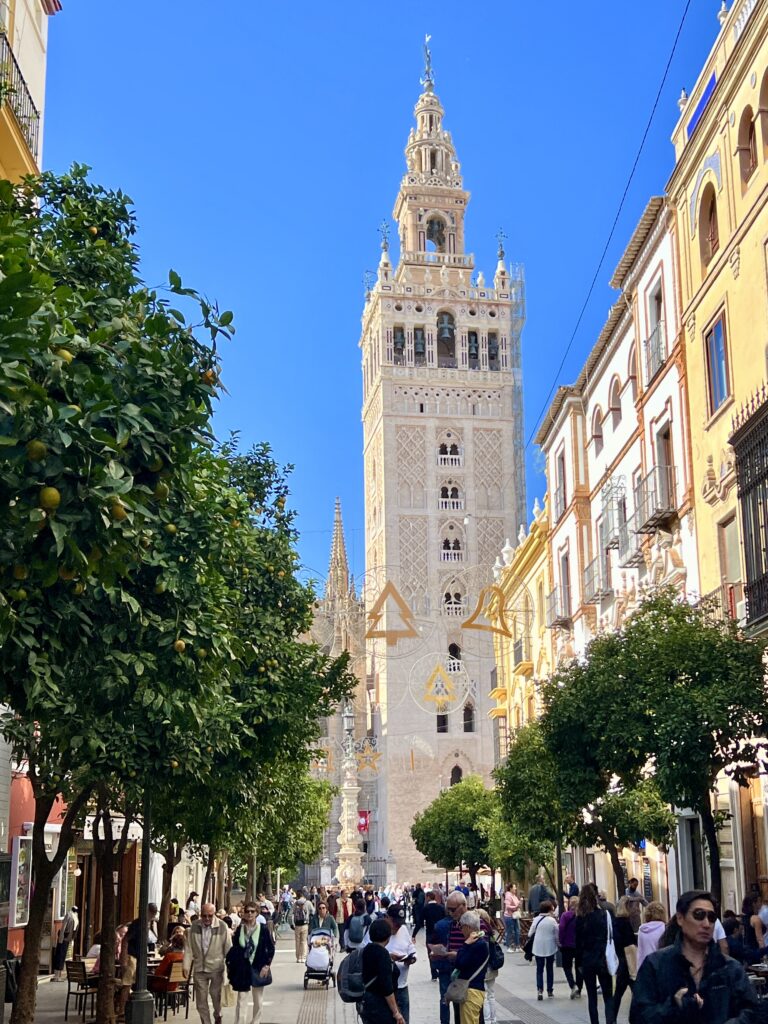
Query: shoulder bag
{"points": [[495, 954], [459, 987], [611, 956]]}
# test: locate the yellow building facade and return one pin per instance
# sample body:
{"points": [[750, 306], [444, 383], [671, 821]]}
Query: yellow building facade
{"points": [[522, 642], [718, 190]]}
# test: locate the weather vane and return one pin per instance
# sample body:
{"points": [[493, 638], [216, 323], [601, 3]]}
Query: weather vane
{"points": [[500, 238], [429, 77], [384, 232]]}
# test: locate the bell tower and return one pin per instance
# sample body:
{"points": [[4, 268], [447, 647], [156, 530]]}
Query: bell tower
{"points": [[444, 487]]}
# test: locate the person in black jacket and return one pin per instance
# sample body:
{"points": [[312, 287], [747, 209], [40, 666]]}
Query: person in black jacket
{"points": [[248, 962], [625, 940], [591, 937], [691, 980], [379, 1004], [433, 912]]}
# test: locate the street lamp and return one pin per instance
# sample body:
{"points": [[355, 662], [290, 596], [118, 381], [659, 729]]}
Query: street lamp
{"points": [[350, 869], [348, 723]]}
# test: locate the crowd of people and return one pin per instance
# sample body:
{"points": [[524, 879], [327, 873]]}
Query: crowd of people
{"points": [[687, 969]]}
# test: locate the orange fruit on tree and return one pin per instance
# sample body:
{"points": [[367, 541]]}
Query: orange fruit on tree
{"points": [[49, 498]]}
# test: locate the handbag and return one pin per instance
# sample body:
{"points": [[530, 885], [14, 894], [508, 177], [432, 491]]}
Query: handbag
{"points": [[631, 954], [459, 987], [528, 947], [495, 955], [611, 956], [258, 982]]}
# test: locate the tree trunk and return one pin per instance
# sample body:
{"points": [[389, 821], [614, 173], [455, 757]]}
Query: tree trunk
{"points": [[172, 857], [208, 876], [713, 850], [249, 882], [472, 869], [221, 880], [105, 856], [44, 871], [618, 870]]}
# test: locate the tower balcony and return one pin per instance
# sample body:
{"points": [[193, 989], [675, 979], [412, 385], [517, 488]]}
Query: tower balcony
{"points": [[449, 460], [451, 504], [451, 556], [19, 117], [440, 259]]}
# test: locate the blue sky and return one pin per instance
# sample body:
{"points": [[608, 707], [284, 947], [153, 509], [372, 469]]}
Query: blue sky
{"points": [[263, 144]]}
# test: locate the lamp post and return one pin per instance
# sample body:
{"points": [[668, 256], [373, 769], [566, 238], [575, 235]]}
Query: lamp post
{"points": [[350, 869], [140, 1008]]}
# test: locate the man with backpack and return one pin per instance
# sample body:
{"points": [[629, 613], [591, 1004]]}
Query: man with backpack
{"points": [[301, 914], [357, 926]]}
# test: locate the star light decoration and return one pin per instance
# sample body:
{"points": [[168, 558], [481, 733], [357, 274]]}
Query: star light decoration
{"points": [[367, 756]]}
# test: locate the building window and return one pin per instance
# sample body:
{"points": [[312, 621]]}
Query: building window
{"points": [[717, 365], [747, 145], [632, 372], [615, 403], [469, 717], [597, 429], [446, 340], [442, 723], [709, 233], [456, 774], [750, 445]]}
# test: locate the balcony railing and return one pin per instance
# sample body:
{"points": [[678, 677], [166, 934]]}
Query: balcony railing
{"points": [[454, 665], [559, 607], [630, 544], [656, 498], [447, 363], [726, 602], [451, 556], [447, 259], [449, 460], [455, 609], [596, 581], [757, 599], [655, 352], [521, 650], [559, 502], [14, 92], [451, 504]]}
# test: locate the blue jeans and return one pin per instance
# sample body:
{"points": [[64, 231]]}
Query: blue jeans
{"points": [[443, 981], [403, 1002], [511, 931], [549, 961]]}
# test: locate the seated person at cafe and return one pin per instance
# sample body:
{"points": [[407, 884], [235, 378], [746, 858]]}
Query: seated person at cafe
{"points": [[158, 982]]}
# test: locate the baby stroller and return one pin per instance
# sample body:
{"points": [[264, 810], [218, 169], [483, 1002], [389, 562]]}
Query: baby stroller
{"points": [[319, 963]]}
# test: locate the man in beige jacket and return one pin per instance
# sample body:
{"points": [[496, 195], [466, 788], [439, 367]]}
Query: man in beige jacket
{"points": [[208, 942]]}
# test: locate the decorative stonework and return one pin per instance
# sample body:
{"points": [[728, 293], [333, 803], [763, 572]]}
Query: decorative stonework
{"points": [[735, 261], [716, 487], [691, 325], [411, 445], [414, 568], [490, 537]]}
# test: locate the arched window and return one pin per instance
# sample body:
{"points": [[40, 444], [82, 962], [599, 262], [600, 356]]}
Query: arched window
{"points": [[442, 723], [454, 658], [632, 372], [747, 145], [451, 497], [456, 774], [709, 233], [446, 340], [436, 234], [443, 449], [597, 429], [531, 708], [615, 402], [454, 449], [469, 717], [452, 540], [453, 601], [763, 111]]}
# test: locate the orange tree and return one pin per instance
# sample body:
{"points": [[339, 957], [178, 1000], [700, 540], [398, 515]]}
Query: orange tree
{"points": [[106, 396]]}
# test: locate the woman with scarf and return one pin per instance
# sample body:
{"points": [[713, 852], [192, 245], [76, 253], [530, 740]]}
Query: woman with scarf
{"points": [[248, 963]]}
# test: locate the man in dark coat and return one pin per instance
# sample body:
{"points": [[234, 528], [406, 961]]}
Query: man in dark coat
{"points": [[692, 980], [248, 963]]}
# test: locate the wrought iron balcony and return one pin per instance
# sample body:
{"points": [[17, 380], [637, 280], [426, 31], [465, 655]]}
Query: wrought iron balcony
{"points": [[726, 601], [559, 607], [630, 543], [655, 352], [656, 498], [596, 581], [521, 655], [15, 94]]}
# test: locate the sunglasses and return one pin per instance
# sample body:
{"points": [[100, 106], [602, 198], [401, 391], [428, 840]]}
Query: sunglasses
{"points": [[699, 914]]}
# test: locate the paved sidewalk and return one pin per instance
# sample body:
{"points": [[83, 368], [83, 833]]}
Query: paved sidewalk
{"points": [[286, 1002]]}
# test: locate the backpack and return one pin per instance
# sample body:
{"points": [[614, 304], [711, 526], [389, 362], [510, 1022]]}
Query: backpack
{"points": [[349, 977], [356, 928], [299, 916]]}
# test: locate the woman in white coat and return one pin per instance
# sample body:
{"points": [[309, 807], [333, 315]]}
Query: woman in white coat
{"points": [[544, 930]]}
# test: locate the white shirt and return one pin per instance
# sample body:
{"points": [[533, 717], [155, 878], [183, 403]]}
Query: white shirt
{"points": [[402, 944], [545, 936], [270, 906], [235, 919], [205, 937]]}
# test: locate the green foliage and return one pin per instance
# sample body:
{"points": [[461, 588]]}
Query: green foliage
{"points": [[510, 849], [452, 830]]}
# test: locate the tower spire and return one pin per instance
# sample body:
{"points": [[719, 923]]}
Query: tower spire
{"points": [[337, 585], [428, 78]]}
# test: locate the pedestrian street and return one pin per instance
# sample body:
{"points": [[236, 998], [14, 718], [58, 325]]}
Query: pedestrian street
{"points": [[286, 1001]]}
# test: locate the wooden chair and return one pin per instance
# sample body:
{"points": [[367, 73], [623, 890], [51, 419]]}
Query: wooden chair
{"points": [[79, 987], [176, 998]]}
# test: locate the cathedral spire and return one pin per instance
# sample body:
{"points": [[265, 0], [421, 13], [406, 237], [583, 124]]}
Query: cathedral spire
{"points": [[337, 585]]}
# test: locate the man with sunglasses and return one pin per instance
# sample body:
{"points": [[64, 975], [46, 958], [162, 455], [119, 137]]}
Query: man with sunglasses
{"points": [[691, 980], [448, 938]]}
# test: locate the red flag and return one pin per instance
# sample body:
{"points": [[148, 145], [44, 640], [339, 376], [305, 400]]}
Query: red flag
{"points": [[362, 821]]}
